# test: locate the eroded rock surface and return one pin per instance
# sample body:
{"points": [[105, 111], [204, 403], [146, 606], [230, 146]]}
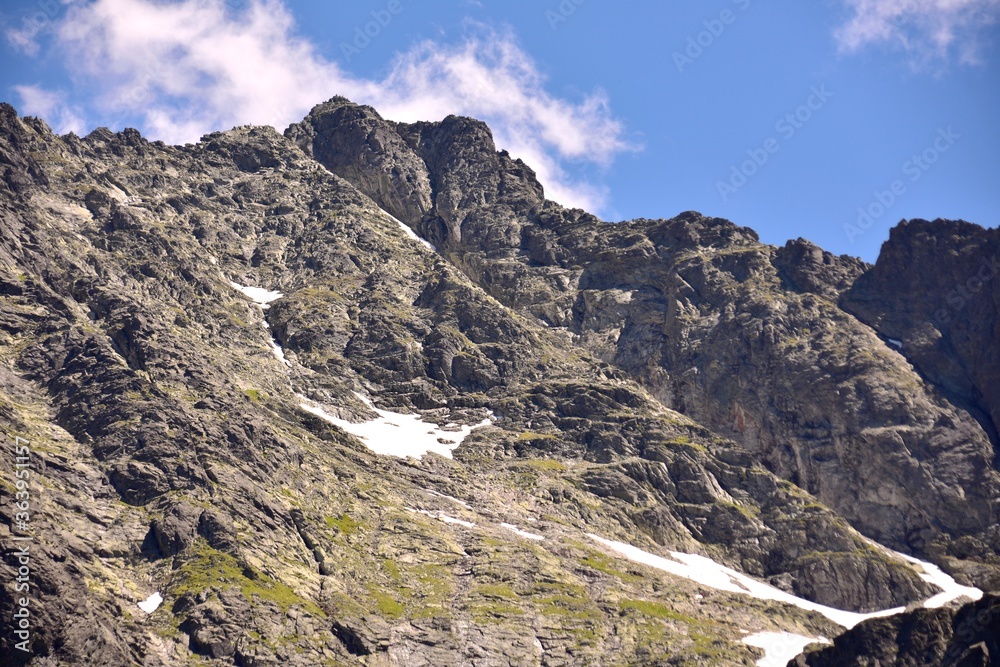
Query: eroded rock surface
{"points": [[773, 348], [966, 636], [671, 384]]}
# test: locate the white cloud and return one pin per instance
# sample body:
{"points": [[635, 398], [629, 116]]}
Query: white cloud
{"points": [[191, 67], [188, 67], [52, 107], [23, 39], [489, 77], [33, 24], [928, 31]]}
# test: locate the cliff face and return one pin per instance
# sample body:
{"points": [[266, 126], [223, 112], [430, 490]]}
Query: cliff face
{"points": [[966, 637], [935, 289], [791, 352], [671, 384]]}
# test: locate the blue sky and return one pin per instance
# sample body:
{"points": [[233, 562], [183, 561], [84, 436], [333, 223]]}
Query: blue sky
{"points": [[790, 117]]}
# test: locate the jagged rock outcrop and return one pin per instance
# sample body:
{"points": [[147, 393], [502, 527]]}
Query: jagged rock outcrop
{"points": [[936, 290], [968, 636]]}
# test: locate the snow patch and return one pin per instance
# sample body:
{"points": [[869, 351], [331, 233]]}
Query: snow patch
{"points": [[451, 498], [441, 516], [523, 533], [152, 603], [258, 295], [780, 647], [950, 589], [895, 342], [395, 434], [263, 298], [409, 232], [707, 572], [279, 353]]}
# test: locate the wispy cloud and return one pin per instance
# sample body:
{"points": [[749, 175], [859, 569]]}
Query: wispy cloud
{"points": [[489, 77], [33, 23], [25, 38], [188, 67], [52, 107], [929, 31]]}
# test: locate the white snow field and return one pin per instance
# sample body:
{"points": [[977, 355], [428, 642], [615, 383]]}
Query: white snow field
{"points": [[447, 497], [780, 647], [263, 298], [707, 572], [279, 353], [258, 295], [395, 434], [152, 603], [523, 533], [950, 589], [441, 516], [409, 232]]}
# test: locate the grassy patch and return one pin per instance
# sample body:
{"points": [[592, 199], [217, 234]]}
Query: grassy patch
{"points": [[434, 590], [569, 601], [655, 610], [502, 591], [318, 294], [392, 568], [493, 612], [528, 436], [416, 591], [595, 560], [387, 605], [568, 606], [211, 569], [749, 512], [547, 465], [344, 524]]}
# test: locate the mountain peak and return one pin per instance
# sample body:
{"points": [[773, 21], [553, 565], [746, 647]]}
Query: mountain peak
{"points": [[358, 393]]}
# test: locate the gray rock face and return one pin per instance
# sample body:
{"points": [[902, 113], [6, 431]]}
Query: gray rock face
{"points": [[805, 267], [968, 636], [354, 143], [646, 381], [446, 180], [936, 289], [747, 339]]}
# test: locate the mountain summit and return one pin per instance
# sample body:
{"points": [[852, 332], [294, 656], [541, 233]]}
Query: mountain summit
{"points": [[359, 394]]}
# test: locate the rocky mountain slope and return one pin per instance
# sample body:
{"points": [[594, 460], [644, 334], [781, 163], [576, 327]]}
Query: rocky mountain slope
{"points": [[967, 637], [747, 339], [673, 385]]}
